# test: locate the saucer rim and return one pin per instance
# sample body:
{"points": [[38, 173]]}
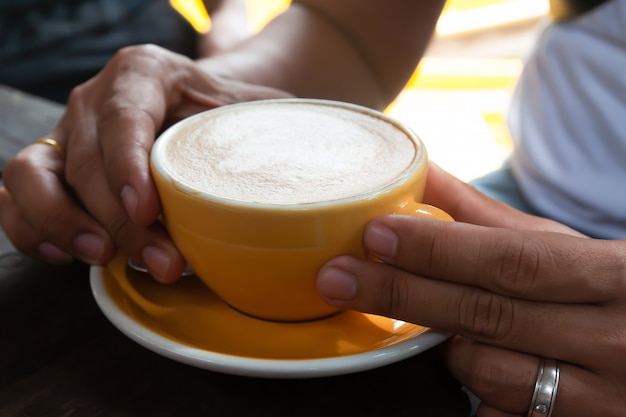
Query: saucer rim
{"points": [[256, 367]]}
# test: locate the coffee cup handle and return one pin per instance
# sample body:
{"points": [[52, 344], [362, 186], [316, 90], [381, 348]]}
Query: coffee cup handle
{"points": [[423, 210]]}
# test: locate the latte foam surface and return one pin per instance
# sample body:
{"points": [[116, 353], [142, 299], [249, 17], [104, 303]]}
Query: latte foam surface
{"points": [[287, 153]]}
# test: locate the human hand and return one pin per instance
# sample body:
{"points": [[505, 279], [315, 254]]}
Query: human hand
{"points": [[98, 194], [513, 287]]}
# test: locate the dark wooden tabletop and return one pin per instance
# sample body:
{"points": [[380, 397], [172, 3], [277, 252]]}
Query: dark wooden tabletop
{"points": [[59, 355]]}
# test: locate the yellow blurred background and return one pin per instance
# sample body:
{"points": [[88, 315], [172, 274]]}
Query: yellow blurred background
{"points": [[457, 99]]}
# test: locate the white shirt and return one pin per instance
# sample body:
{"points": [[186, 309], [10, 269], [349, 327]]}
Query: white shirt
{"points": [[568, 123]]}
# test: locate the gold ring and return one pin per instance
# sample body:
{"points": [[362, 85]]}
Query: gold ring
{"points": [[53, 144]]}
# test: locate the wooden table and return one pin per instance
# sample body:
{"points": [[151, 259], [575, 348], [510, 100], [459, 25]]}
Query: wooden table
{"points": [[59, 355]]}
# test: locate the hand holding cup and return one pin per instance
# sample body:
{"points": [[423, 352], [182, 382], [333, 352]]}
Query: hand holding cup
{"points": [[258, 196]]}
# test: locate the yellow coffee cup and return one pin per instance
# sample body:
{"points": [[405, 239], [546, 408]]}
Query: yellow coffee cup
{"points": [[258, 196]]}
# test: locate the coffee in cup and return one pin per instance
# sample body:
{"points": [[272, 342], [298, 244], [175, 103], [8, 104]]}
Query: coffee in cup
{"points": [[257, 196]]}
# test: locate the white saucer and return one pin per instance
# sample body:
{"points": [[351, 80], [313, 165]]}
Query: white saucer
{"points": [[399, 341]]}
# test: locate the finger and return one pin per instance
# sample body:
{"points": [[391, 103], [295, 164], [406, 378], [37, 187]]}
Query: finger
{"points": [[150, 245], [33, 180], [503, 379], [466, 204], [505, 382], [571, 333], [129, 104], [126, 139], [522, 265], [541, 266], [147, 90], [24, 237]]}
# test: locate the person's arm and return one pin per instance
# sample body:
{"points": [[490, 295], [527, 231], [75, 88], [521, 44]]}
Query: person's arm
{"points": [[336, 49], [229, 26], [99, 197]]}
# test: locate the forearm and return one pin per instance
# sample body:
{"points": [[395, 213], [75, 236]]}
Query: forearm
{"points": [[229, 26], [351, 50]]}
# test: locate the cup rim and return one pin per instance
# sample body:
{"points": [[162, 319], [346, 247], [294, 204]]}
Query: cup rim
{"points": [[418, 161]]}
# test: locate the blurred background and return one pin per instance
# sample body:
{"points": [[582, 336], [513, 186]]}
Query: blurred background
{"points": [[459, 94]]}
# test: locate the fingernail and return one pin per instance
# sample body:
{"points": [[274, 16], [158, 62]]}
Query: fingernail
{"points": [[336, 284], [157, 261], [53, 254], [130, 199], [90, 246], [381, 241]]}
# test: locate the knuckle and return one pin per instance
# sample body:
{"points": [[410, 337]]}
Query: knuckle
{"points": [[145, 59], [610, 272], [112, 111], [485, 315], [487, 378], [519, 265], [394, 297], [115, 110], [614, 340], [77, 96], [439, 245], [78, 171], [119, 227], [21, 169], [129, 54], [14, 168], [137, 51], [53, 224]]}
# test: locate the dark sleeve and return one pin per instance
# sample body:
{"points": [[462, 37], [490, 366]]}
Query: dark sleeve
{"points": [[49, 48]]}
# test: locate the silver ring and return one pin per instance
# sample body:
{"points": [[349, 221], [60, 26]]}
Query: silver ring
{"points": [[546, 386]]}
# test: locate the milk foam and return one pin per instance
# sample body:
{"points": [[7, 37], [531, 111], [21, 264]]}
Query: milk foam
{"points": [[287, 153]]}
